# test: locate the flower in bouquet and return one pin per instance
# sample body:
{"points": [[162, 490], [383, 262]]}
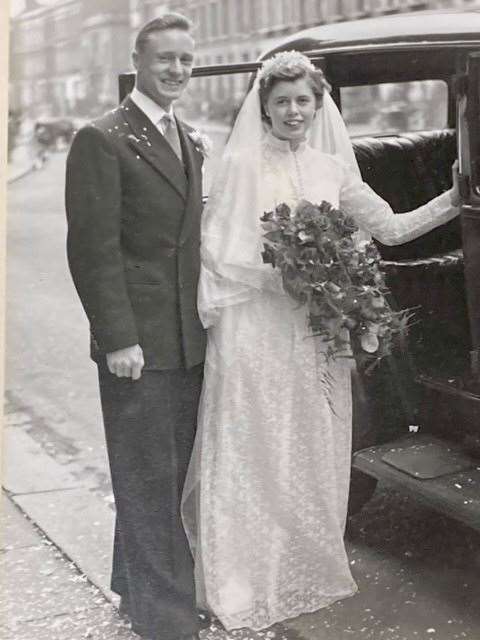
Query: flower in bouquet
{"points": [[340, 280]]}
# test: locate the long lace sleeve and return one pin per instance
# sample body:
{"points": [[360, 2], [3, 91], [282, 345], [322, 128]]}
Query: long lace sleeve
{"points": [[374, 215]]}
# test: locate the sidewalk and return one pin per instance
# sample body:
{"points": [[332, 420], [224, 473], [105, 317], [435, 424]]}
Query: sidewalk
{"points": [[45, 597], [21, 162], [56, 538]]}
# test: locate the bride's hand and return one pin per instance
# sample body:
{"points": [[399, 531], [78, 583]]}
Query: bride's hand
{"points": [[454, 191]]}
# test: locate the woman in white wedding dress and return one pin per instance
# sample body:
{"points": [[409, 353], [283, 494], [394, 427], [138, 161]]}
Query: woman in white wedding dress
{"points": [[265, 499]]}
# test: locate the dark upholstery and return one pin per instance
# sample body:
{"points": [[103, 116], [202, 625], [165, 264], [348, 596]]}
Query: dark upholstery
{"points": [[407, 171]]}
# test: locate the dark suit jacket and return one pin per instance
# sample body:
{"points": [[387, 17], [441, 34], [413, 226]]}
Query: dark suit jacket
{"points": [[133, 237]]}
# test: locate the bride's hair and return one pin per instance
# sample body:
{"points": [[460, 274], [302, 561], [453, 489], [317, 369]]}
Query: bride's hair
{"points": [[288, 66]]}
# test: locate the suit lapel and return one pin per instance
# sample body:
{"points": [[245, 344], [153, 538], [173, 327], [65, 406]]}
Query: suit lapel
{"points": [[147, 141], [193, 164]]}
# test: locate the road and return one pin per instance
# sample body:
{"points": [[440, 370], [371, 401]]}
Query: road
{"points": [[48, 371], [418, 572]]}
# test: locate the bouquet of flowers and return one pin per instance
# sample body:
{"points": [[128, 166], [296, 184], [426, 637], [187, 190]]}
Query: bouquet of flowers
{"points": [[340, 280]]}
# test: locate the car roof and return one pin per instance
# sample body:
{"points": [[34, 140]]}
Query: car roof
{"points": [[418, 26]]}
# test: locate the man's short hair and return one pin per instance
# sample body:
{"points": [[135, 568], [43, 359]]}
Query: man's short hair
{"points": [[162, 23]]}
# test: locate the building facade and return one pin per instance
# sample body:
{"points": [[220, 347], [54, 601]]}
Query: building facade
{"points": [[240, 30], [65, 57]]}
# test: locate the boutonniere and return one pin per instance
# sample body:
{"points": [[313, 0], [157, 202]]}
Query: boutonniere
{"points": [[202, 142]]}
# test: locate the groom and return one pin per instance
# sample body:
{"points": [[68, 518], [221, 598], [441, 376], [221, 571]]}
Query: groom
{"points": [[133, 199]]}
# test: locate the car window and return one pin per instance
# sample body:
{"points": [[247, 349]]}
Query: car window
{"points": [[395, 107], [210, 104]]}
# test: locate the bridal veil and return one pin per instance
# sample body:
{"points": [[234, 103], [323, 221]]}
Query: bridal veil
{"points": [[231, 250]]}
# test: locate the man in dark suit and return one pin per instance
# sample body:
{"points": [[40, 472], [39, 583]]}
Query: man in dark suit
{"points": [[133, 200]]}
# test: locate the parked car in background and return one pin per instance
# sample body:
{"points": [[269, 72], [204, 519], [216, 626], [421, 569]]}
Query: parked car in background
{"points": [[54, 133], [408, 86]]}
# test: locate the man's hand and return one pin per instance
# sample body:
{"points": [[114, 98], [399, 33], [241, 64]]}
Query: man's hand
{"points": [[126, 363]]}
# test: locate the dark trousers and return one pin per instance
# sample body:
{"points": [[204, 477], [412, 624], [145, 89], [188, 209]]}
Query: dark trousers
{"points": [[150, 427]]}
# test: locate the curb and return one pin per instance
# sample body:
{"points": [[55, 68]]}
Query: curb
{"points": [[69, 512], [13, 176]]}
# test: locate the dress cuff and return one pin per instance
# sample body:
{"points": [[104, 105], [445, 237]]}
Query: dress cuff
{"points": [[444, 209]]}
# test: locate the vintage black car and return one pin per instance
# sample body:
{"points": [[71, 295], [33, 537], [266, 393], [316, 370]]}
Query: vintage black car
{"points": [[409, 88], [53, 133]]}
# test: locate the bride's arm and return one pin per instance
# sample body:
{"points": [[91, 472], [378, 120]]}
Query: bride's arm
{"points": [[374, 215]]}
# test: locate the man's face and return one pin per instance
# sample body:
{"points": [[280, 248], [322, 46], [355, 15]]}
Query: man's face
{"points": [[165, 65]]}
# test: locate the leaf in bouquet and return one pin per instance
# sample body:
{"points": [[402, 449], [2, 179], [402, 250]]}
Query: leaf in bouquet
{"points": [[267, 216], [403, 320], [268, 255], [334, 326], [341, 343], [316, 324], [295, 286], [274, 236], [350, 323], [334, 288], [270, 225], [318, 305]]}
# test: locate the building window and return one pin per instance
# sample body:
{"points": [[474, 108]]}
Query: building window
{"points": [[214, 24], [302, 12], [358, 7], [194, 18], [336, 9], [276, 14], [287, 10], [35, 65], [202, 23], [262, 20], [254, 12], [30, 35], [241, 21], [225, 7]]}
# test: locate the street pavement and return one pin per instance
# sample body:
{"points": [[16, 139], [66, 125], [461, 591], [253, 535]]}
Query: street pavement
{"points": [[418, 572]]}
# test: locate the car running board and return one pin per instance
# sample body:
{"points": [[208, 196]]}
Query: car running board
{"points": [[434, 471]]}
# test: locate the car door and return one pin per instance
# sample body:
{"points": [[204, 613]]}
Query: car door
{"points": [[469, 159]]}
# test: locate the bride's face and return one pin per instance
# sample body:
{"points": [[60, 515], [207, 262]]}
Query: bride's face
{"points": [[291, 106]]}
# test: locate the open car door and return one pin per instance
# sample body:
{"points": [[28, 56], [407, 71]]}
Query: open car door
{"points": [[439, 466]]}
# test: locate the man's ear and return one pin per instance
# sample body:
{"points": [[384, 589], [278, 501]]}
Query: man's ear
{"points": [[135, 59]]}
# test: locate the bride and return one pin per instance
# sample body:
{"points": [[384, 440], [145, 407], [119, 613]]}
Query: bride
{"points": [[265, 500]]}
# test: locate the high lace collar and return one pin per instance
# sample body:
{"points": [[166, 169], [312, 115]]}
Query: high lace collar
{"points": [[282, 145]]}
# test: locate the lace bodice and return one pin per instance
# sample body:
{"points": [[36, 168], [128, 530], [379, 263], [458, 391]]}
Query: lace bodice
{"points": [[307, 173]]}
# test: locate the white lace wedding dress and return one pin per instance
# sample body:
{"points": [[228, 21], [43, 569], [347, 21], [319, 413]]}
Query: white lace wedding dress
{"points": [[266, 499]]}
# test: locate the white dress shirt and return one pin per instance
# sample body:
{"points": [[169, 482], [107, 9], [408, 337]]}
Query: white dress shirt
{"points": [[151, 109]]}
